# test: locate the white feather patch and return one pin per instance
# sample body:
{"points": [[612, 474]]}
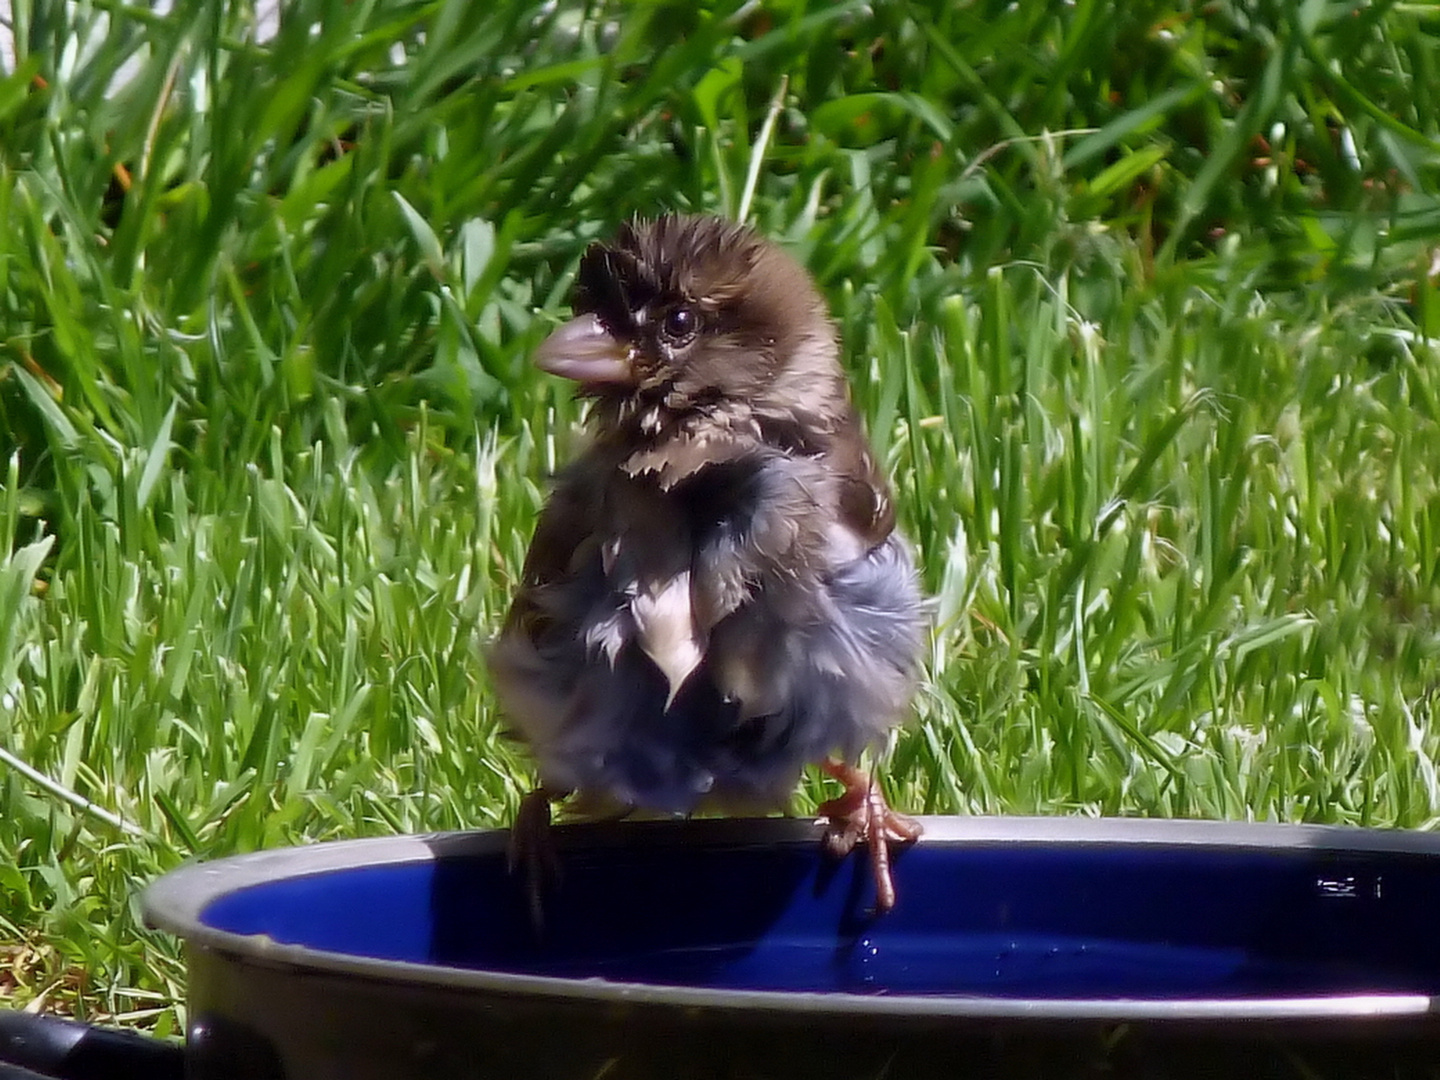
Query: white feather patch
{"points": [[609, 635], [665, 625], [842, 545]]}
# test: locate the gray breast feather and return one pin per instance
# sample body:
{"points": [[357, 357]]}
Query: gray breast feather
{"points": [[786, 680]]}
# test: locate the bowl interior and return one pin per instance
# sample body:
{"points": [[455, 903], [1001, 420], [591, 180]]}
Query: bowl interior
{"points": [[1017, 919]]}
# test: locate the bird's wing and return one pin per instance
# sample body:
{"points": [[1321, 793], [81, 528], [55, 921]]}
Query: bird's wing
{"points": [[566, 538], [864, 494]]}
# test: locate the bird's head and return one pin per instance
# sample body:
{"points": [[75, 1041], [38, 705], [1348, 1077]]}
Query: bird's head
{"points": [[688, 318]]}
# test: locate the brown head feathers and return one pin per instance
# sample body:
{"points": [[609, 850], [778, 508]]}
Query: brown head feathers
{"points": [[721, 328]]}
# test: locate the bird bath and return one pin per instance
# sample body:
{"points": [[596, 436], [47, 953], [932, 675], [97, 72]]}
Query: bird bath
{"points": [[719, 948]]}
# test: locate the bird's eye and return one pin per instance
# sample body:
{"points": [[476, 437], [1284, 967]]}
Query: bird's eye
{"points": [[680, 324]]}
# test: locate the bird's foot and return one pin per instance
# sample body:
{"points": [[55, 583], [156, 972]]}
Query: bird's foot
{"points": [[859, 813], [532, 852]]}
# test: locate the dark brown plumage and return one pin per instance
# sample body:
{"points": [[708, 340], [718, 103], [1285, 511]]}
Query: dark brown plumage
{"points": [[715, 594]]}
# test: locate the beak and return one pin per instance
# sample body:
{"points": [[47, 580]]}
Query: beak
{"points": [[583, 350]]}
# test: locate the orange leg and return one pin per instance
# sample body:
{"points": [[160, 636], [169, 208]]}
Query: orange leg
{"points": [[860, 812]]}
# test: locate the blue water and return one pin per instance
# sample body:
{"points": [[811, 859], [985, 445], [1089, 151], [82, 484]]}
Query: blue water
{"points": [[1013, 919]]}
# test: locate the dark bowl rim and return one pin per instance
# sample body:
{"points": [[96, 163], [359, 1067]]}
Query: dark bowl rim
{"points": [[175, 902]]}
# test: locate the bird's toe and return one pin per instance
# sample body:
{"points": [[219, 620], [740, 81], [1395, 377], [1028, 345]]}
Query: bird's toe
{"points": [[531, 853]]}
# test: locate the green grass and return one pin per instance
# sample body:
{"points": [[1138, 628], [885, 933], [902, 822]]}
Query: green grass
{"points": [[1139, 305]]}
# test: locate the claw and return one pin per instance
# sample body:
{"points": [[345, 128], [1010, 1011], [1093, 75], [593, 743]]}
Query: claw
{"points": [[860, 812], [531, 851]]}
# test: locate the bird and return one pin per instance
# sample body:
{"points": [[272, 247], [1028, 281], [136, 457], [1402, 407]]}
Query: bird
{"points": [[716, 594]]}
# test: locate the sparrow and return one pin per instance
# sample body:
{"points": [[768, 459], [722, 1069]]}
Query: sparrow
{"points": [[715, 595]]}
